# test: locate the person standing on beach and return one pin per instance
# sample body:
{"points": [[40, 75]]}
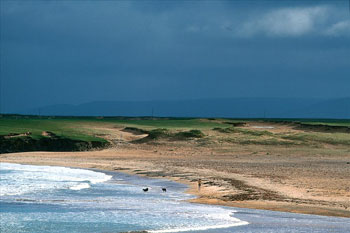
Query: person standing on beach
{"points": [[199, 184]]}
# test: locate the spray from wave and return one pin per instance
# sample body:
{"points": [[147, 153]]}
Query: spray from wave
{"points": [[17, 179]]}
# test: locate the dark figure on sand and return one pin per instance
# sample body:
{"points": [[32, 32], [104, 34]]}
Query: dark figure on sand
{"points": [[164, 189], [199, 184], [145, 190]]}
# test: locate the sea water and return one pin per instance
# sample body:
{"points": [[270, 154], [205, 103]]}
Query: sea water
{"points": [[61, 199]]}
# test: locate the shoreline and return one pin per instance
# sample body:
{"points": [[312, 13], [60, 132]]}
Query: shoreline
{"points": [[120, 178], [205, 198], [209, 194], [244, 219]]}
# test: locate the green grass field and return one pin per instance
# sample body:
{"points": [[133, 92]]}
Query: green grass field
{"points": [[68, 125], [330, 122], [168, 123], [67, 128], [78, 128]]}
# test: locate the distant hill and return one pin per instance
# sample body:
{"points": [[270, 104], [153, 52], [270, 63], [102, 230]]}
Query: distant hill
{"points": [[234, 108]]}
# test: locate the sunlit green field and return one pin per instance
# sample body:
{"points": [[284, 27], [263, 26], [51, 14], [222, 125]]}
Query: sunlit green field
{"points": [[83, 128], [77, 127], [68, 128]]}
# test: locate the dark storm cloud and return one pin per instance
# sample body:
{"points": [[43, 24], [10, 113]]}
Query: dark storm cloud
{"points": [[74, 51]]}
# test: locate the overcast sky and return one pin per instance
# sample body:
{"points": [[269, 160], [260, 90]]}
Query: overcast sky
{"points": [[73, 52]]}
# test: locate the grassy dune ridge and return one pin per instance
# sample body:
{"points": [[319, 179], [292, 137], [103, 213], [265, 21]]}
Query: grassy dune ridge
{"points": [[235, 131]]}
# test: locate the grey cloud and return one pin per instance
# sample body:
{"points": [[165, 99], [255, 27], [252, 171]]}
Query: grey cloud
{"points": [[341, 28], [295, 22]]}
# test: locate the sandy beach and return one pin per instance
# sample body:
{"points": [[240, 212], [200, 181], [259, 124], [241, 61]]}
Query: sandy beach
{"points": [[291, 179], [242, 106]]}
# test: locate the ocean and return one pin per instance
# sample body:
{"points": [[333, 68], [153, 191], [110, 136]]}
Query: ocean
{"points": [[62, 199]]}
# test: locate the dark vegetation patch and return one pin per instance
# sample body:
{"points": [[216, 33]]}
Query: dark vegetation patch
{"points": [[255, 132], [235, 124], [167, 134], [195, 133], [154, 135], [322, 128], [27, 143], [134, 130], [224, 130], [158, 133], [244, 131]]}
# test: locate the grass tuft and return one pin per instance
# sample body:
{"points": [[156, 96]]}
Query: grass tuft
{"points": [[195, 133]]}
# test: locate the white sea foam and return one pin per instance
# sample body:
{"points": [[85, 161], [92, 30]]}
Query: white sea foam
{"points": [[80, 186], [222, 216], [19, 179], [203, 228]]}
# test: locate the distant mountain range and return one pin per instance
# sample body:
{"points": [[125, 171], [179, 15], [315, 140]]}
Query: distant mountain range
{"points": [[230, 108]]}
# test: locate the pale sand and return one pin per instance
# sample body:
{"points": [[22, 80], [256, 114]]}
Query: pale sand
{"points": [[311, 184]]}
